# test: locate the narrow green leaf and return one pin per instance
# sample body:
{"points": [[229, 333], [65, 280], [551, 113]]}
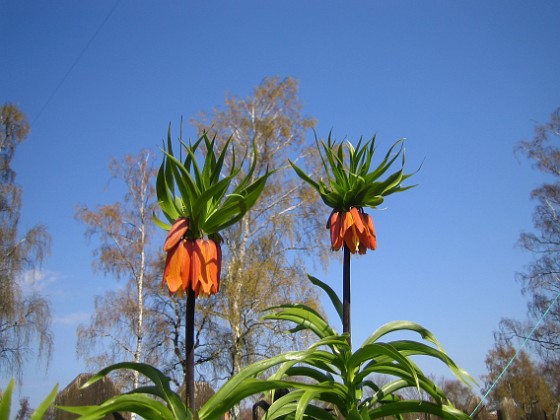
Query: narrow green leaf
{"points": [[165, 199], [6, 401], [45, 405], [304, 176], [335, 300], [160, 223], [411, 406], [140, 404], [370, 352], [304, 317]]}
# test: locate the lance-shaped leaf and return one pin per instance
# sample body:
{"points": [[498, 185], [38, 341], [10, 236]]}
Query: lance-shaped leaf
{"points": [[349, 180], [195, 187]]}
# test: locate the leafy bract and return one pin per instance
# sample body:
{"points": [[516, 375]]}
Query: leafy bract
{"points": [[349, 178], [197, 188]]}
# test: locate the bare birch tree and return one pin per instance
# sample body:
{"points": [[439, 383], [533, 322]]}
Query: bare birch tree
{"points": [[117, 331], [541, 279], [24, 315]]}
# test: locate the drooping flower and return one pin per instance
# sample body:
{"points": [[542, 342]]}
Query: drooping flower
{"points": [[349, 184], [198, 200], [354, 229], [191, 264]]}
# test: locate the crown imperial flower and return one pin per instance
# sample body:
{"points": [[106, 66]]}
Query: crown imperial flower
{"points": [[350, 185], [191, 263], [354, 229], [198, 202]]}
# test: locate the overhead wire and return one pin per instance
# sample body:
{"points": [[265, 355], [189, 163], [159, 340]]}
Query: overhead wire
{"points": [[76, 61], [506, 367]]}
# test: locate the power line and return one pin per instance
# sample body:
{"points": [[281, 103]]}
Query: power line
{"points": [[76, 61], [515, 355]]}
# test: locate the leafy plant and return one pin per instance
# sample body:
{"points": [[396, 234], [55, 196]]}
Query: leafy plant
{"points": [[329, 379], [6, 402], [156, 401]]}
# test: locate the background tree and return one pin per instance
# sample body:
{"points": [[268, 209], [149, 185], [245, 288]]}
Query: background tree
{"points": [[117, 329], [523, 382], [25, 410], [457, 392], [260, 268], [24, 315], [541, 280]]}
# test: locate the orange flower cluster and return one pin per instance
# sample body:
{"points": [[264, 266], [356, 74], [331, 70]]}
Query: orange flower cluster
{"points": [[191, 263], [352, 228]]}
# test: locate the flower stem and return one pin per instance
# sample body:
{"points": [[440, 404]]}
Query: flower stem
{"points": [[346, 328], [189, 338]]}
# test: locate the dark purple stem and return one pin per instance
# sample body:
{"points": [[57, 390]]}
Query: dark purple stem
{"points": [[189, 337], [346, 328]]}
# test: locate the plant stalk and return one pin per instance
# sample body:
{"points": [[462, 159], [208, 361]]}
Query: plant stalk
{"points": [[346, 326], [189, 337]]}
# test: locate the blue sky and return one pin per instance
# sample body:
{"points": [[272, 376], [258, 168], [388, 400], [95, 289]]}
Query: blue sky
{"points": [[463, 81]]}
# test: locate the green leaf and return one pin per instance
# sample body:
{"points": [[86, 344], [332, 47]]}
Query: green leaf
{"points": [[165, 200], [397, 326], [304, 176], [186, 185], [235, 206], [140, 404], [161, 384], [160, 223], [337, 303], [309, 372], [371, 352], [411, 406], [6, 401], [45, 405], [212, 193], [414, 348], [304, 317]]}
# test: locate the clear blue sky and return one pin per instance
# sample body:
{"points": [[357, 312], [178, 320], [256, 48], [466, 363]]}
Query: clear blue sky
{"points": [[463, 81]]}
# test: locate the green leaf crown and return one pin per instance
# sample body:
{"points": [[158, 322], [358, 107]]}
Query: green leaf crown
{"points": [[349, 180], [210, 200]]}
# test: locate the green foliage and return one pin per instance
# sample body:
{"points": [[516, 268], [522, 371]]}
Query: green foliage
{"points": [[335, 377], [325, 381], [140, 400], [328, 379], [185, 190], [350, 182], [6, 400]]}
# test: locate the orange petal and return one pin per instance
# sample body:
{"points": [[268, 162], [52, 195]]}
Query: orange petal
{"points": [[199, 273], [335, 225], [211, 266], [176, 233], [173, 265], [357, 218], [362, 249], [215, 265], [347, 222], [351, 239], [186, 269], [348, 232], [370, 228], [193, 265], [332, 219]]}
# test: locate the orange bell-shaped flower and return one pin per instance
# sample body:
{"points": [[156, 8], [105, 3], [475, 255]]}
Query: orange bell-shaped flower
{"points": [[191, 264], [354, 229]]}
